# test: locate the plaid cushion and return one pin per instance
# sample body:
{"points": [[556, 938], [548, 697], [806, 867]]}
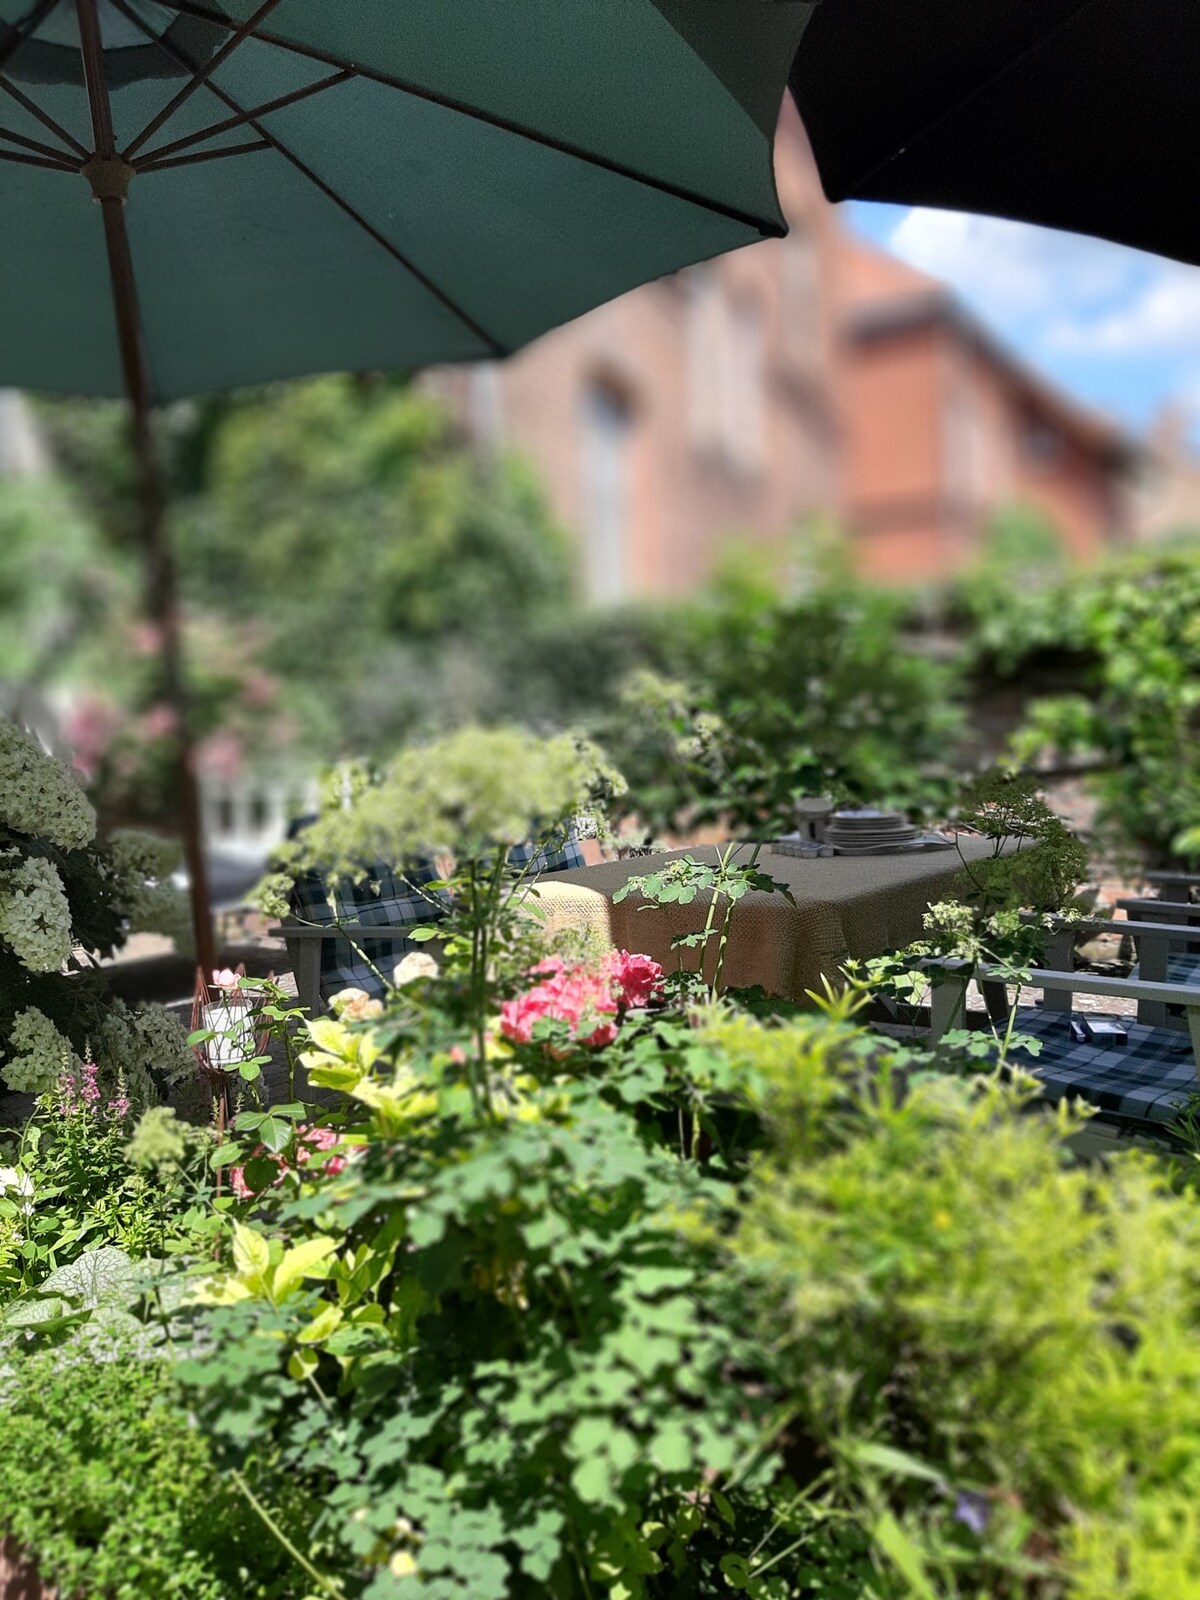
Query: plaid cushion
{"points": [[1148, 1079], [387, 899], [546, 860], [1183, 969]]}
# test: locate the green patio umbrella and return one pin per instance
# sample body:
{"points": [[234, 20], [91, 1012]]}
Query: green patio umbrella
{"points": [[295, 186]]}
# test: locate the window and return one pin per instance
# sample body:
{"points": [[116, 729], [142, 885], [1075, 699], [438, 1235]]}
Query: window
{"points": [[725, 373], [706, 359], [1041, 444], [607, 435], [744, 387], [486, 405], [801, 296]]}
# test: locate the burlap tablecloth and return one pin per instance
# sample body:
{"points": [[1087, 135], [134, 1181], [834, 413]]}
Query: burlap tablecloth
{"points": [[844, 906]]}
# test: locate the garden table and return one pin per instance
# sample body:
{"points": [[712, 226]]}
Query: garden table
{"points": [[841, 907]]}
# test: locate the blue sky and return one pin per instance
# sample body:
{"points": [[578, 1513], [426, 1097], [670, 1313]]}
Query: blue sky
{"points": [[1117, 328]]}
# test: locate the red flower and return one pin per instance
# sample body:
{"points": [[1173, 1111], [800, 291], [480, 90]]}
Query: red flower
{"points": [[587, 1001], [637, 976]]}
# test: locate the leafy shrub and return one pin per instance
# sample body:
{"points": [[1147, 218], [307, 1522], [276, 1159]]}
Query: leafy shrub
{"points": [[1137, 712], [821, 693], [84, 1177], [108, 1486], [989, 1353]]}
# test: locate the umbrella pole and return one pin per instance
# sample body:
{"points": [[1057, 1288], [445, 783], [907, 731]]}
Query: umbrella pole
{"points": [[109, 177]]}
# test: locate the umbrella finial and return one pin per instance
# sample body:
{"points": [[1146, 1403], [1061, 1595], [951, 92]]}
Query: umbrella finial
{"points": [[108, 176]]}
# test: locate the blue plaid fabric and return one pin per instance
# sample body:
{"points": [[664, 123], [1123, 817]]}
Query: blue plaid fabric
{"points": [[1147, 1079], [387, 899], [1184, 969]]}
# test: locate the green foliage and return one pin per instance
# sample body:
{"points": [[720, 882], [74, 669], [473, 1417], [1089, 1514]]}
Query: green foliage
{"points": [[990, 1352], [819, 693], [110, 1489], [54, 590], [1018, 604], [80, 1182], [526, 1385], [1138, 710], [1036, 863], [346, 513]]}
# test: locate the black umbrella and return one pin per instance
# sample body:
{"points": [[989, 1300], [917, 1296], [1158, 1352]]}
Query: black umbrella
{"points": [[1078, 114]]}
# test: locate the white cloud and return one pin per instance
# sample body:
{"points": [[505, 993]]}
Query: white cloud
{"points": [[1163, 315], [1012, 271]]}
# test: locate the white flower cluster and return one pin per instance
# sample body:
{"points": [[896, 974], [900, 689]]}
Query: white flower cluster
{"points": [[39, 1054], [35, 918], [144, 1045], [143, 864], [40, 796]]}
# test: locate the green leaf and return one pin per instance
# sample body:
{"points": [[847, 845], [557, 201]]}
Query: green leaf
{"points": [[904, 1555], [299, 1262], [672, 1448], [251, 1253], [275, 1132], [897, 1463], [592, 1479]]}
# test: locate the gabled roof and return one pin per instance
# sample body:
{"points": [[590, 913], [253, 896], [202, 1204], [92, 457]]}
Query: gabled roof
{"points": [[881, 295]]}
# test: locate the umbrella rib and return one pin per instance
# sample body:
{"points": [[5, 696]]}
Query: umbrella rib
{"points": [[243, 31], [154, 156], [496, 348], [971, 95], [204, 155], [37, 161], [53, 151], [767, 227], [22, 30], [43, 117]]}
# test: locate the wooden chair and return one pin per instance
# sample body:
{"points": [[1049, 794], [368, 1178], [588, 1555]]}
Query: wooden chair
{"points": [[1151, 1078]]}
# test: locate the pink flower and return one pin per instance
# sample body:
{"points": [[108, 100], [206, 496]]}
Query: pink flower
{"points": [[637, 976], [119, 1108], [260, 689], [146, 638], [226, 978], [579, 998], [90, 728], [222, 755], [310, 1141], [160, 721], [237, 1175]]}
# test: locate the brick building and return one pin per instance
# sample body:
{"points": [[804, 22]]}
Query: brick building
{"points": [[697, 407], [944, 426], [805, 375]]}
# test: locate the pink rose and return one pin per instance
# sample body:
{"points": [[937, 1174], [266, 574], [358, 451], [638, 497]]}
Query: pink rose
{"points": [[226, 978], [160, 721], [580, 999], [637, 976]]}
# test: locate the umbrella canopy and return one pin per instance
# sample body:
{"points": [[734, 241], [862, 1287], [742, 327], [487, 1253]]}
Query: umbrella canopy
{"points": [[316, 186], [1078, 114], [293, 186]]}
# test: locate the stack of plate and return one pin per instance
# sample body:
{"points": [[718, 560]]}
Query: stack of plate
{"points": [[864, 831]]}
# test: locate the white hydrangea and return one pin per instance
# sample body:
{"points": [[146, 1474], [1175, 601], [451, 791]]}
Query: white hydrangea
{"points": [[39, 1054], [143, 864], [144, 1045], [143, 857], [35, 917], [40, 796]]}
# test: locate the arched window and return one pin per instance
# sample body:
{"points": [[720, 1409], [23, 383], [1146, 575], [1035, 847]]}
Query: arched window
{"points": [[801, 295], [607, 426]]}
